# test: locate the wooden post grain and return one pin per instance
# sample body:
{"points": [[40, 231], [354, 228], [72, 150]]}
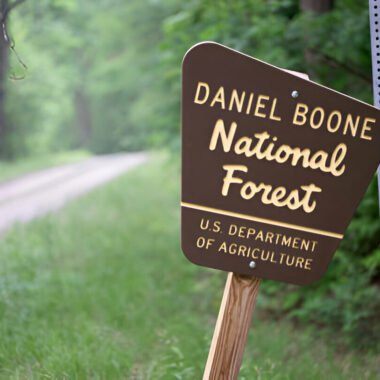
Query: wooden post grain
{"points": [[231, 330]]}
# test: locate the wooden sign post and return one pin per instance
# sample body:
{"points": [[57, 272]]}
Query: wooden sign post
{"points": [[273, 168], [232, 326]]}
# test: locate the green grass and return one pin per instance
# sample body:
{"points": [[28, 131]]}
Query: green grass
{"points": [[101, 291], [12, 169]]}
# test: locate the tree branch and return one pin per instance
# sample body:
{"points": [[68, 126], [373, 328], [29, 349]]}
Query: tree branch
{"points": [[338, 64], [11, 6]]}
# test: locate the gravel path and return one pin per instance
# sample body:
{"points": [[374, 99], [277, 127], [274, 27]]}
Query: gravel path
{"points": [[39, 193]]}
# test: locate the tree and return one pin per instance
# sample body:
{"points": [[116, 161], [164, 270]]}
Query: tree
{"points": [[317, 6], [6, 7]]}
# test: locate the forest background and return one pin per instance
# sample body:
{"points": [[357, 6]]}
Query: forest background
{"points": [[104, 76]]}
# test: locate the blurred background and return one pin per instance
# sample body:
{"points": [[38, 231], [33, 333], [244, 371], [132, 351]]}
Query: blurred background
{"points": [[99, 289]]}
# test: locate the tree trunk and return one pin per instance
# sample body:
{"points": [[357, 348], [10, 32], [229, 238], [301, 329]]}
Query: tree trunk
{"points": [[83, 116], [4, 64], [317, 6]]}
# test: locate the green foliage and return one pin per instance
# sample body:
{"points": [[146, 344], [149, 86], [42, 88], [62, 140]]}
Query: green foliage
{"points": [[346, 301], [124, 59], [105, 75], [91, 67], [93, 293]]}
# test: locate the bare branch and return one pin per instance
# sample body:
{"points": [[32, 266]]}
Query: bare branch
{"points": [[4, 35], [14, 5], [342, 65], [11, 6], [4, 15]]}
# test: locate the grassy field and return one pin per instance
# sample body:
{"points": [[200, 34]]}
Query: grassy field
{"points": [[9, 170], [101, 291]]}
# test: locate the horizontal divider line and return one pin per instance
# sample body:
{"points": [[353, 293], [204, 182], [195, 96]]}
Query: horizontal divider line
{"points": [[262, 220]]}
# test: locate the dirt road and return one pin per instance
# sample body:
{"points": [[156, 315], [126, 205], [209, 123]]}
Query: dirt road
{"points": [[38, 193]]}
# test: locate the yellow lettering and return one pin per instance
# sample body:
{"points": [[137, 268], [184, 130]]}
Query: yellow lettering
{"points": [[219, 98], [220, 131], [272, 111], [228, 179], [238, 101], [300, 112], [350, 124], [321, 112], [260, 105], [205, 86], [367, 127], [334, 115]]}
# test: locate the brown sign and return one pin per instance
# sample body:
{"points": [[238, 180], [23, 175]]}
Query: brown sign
{"points": [[273, 166]]}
